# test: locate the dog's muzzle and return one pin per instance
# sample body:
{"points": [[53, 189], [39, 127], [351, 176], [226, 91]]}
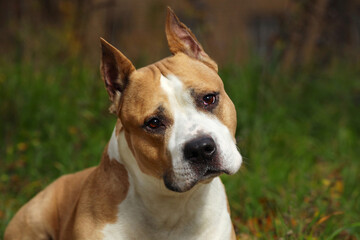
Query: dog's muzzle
{"points": [[201, 161], [202, 154]]}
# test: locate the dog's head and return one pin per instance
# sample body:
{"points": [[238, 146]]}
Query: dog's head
{"points": [[178, 120]]}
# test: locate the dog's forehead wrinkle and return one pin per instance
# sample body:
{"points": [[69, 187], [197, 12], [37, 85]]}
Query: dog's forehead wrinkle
{"points": [[160, 108]]}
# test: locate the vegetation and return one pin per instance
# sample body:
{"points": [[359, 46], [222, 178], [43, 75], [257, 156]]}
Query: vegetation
{"points": [[298, 132]]}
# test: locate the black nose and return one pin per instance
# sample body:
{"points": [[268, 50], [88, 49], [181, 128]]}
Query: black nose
{"points": [[200, 149]]}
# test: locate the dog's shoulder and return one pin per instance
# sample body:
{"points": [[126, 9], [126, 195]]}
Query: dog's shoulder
{"points": [[41, 216], [102, 192]]}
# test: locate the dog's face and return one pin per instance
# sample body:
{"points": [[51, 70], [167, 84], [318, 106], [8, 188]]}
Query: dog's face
{"points": [[178, 120]]}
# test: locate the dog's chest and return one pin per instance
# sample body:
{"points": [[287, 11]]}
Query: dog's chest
{"points": [[195, 218]]}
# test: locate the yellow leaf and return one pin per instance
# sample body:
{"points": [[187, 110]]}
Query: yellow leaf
{"points": [[325, 218], [337, 189], [22, 146], [73, 130], [326, 182], [317, 213]]}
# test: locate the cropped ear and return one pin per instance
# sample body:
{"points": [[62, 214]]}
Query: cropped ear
{"points": [[181, 39], [115, 70]]}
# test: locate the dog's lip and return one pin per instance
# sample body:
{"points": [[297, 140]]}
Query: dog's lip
{"points": [[210, 173], [204, 174]]}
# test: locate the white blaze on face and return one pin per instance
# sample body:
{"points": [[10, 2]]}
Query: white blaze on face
{"points": [[190, 123]]}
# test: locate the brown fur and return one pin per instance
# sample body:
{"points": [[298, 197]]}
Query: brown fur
{"points": [[74, 206]]}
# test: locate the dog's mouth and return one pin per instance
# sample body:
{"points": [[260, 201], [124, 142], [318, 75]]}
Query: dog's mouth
{"points": [[211, 173], [203, 176]]}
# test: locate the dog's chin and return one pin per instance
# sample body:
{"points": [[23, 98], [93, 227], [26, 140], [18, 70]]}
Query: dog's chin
{"points": [[203, 177], [175, 187]]}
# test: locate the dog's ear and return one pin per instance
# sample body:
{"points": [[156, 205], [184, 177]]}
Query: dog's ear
{"points": [[181, 39], [115, 70]]}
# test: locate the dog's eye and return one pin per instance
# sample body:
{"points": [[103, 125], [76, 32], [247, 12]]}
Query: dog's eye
{"points": [[153, 123], [209, 99]]}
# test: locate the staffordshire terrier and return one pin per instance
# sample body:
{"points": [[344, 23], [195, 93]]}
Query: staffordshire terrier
{"points": [[159, 174]]}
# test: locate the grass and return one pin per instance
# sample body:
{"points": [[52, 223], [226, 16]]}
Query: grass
{"points": [[298, 132]]}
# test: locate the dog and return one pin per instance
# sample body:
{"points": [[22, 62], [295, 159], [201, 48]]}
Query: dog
{"points": [[159, 173]]}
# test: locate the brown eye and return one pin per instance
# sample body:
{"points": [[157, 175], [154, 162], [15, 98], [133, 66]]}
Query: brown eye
{"points": [[209, 99], [154, 123]]}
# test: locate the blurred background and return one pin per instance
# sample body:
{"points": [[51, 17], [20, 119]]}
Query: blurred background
{"points": [[297, 31], [290, 66]]}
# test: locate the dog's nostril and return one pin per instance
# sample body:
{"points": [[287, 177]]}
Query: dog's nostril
{"points": [[200, 149], [209, 149]]}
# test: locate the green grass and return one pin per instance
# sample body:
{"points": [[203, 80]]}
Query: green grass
{"points": [[298, 132], [300, 135]]}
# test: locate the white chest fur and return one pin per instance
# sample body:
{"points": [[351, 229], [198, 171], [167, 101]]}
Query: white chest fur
{"points": [[202, 216]]}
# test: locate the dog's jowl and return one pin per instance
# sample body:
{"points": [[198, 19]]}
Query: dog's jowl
{"points": [[159, 174]]}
